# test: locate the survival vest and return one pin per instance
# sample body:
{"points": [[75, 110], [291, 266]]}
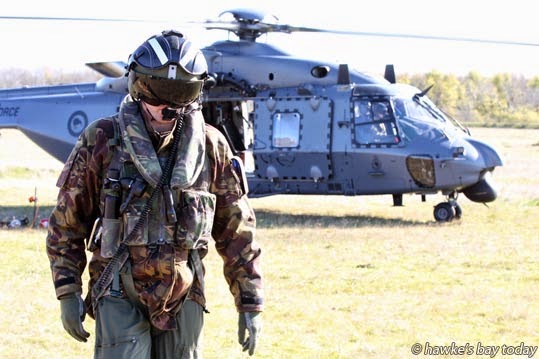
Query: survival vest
{"points": [[182, 211]]}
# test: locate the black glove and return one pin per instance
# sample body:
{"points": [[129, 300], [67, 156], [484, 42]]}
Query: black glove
{"points": [[73, 313], [252, 323]]}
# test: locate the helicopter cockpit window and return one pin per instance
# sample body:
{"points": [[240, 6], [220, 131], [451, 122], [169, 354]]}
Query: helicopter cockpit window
{"points": [[286, 129], [418, 120], [374, 123]]}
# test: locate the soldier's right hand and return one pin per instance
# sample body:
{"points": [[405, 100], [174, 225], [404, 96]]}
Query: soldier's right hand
{"points": [[73, 313]]}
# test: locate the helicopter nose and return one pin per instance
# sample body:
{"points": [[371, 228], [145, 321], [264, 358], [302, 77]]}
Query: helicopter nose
{"points": [[489, 155], [484, 191]]}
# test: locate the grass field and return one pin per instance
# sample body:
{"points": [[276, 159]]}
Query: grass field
{"points": [[346, 277]]}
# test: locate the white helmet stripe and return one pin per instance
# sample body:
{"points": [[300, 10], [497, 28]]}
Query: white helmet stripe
{"points": [[188, 56], [158, 50]]}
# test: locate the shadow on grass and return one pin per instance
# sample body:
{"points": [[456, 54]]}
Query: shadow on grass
{"points": [[270, 219], [264, 218]]}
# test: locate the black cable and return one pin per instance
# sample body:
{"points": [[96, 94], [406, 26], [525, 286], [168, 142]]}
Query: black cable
{"points": [[165, 178]]}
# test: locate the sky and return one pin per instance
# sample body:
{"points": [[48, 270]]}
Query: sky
{"points": [[68, 45]]}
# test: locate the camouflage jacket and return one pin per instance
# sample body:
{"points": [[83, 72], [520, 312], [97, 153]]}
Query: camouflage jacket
{"points": [[204, 163]]}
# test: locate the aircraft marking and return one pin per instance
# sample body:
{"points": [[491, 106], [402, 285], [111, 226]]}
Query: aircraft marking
{"points": [[9, 111], [77, 123]]}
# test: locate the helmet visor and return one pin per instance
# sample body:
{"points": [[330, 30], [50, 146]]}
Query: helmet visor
{"points": [[158, 91]]}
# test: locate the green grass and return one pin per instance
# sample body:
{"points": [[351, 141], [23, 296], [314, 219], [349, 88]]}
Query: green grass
{"points": [[346, 277]]}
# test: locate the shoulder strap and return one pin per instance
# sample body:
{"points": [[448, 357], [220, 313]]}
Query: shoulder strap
{"points": [[115, 139], [111, 130]]}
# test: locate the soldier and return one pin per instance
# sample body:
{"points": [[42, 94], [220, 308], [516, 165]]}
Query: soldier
{"points": [[146, 189]]}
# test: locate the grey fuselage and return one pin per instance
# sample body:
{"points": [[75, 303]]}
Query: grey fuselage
{"points": [[300, 125]]}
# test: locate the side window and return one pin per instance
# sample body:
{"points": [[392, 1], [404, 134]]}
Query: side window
{"points": [[374, 123], [362, 112], [286, 129]]}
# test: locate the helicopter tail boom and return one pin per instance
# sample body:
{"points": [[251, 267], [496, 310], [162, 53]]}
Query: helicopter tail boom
{"points": [[109, 69]]}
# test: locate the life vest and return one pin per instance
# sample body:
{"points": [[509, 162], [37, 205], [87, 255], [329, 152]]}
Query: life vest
{"points": [[182, 211]]}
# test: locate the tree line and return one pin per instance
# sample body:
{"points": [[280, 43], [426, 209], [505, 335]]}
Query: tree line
{"points": [[501, 100], [15, 77]]}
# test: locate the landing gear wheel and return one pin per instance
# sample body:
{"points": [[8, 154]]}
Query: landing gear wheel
{"points": [[458, 210], [444, 212]]}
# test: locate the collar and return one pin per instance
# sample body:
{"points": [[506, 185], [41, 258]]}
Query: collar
{"points": [[191, 149]]}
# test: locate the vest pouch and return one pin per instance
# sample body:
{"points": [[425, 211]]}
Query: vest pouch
{"points": [[196, 214], [110, 240], [131, 219]]}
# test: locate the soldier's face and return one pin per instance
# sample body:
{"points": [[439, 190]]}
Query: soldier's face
{"points": [[156, 112]]}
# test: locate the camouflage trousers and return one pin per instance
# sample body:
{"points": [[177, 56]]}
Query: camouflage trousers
{"points": [[123, 331]]}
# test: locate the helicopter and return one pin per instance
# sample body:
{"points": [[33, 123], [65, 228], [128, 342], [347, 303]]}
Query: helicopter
{"points": [[301, 126]]}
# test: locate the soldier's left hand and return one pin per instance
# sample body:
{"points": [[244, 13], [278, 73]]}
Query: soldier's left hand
{"points": [[250, 322], [73, 312]]}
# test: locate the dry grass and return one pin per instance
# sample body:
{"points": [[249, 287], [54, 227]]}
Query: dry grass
{"points": [[346, 277]]}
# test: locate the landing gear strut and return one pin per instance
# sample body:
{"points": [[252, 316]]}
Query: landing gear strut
{"points": [[447, 211]]}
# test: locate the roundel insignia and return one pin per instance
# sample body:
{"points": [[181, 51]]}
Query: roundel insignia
{"points": [[77, 123]]}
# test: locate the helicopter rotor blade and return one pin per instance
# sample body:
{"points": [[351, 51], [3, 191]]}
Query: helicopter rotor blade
{"points": [[262, 27], [3, 17], [220, 25], [250, 23], [290, 29], [433, 37]]}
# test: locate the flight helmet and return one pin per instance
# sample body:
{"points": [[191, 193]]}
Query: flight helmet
{"points": [[167, 69]]}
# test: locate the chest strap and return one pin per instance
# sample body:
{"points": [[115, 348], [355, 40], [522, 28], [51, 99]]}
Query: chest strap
{"points": [[196, 262]]}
